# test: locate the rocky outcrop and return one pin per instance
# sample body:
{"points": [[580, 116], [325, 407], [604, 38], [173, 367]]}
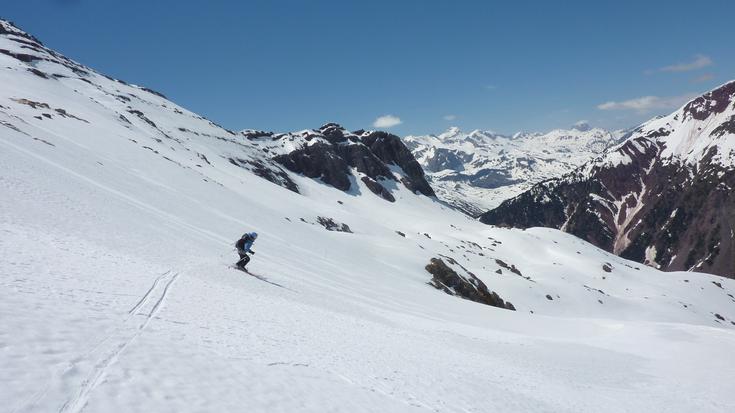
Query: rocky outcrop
{"points": [[318, 161], [331, 225], [334, 156], [713, 102], [466, 286], [664, 197], [377, 188], [392, 151], [268, 172]]}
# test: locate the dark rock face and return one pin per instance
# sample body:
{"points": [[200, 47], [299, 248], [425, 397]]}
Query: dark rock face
{"points": [[318, 161], [378, 189], [448, 159], [267, 172], [332, 153], [468, 287], [391, 150], [485, 178], [149, 90], [661, 212], [25, 58], [725, 127], [712, 102], [330, 225]]}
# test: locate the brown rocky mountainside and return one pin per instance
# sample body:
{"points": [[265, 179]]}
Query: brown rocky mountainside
{"points": [[664, 197]]}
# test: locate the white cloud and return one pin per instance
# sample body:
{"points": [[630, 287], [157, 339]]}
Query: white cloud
{"points": [[490, 87], [703, 78], [699, 61], [645, 104], [387, 121], [450, 117]]}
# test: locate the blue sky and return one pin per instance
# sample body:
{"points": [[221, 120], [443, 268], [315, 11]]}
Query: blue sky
{"points": [[505, 66]]}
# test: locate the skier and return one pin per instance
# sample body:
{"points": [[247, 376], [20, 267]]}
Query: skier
{"points": [[243, 247]]}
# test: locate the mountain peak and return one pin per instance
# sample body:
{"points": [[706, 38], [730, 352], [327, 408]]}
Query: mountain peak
{"points": [[331, 125], [581, 126], [701, 130], [451, 132], [712, 102]]}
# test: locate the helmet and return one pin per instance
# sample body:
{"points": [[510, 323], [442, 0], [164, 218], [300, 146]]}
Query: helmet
{"points": [[254, 235]]}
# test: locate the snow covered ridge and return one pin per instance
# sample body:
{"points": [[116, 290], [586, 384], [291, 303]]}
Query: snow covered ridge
{"points": [[118, 216], [478, 170], [329, 153], [663, 197], [336, 157]]}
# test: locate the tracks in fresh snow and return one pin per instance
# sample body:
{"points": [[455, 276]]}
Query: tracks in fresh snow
{"points": [[132, 326]]}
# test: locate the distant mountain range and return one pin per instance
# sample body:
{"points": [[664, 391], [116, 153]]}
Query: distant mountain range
{"points": [[478, 170]]}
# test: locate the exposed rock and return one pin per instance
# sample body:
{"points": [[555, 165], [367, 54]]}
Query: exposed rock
{"points": [[710, 103], [159, 94], [331, 225], [468, 287], [336, 157], [377, 188], [725, 128], [25, 58], [38, 73], [319, 162], [271, 173], [391, 150], [33, 104], [512, 268]]}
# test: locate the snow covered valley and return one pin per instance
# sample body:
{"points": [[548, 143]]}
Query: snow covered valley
{"points": [[118, 217]]}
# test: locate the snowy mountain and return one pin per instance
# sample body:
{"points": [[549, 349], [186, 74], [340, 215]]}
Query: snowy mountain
{"points": [[663, 197], [337, 157], [476, 171], [120, 210]]}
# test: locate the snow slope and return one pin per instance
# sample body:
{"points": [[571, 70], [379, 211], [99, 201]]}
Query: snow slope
{"points": [[117, 294], [476, 171]]}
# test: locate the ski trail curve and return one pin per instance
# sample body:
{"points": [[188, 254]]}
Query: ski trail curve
{"points": [[147, 294], [148, 306]]}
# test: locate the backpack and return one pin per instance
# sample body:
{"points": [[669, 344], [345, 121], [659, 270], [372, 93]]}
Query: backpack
{"points": [[240, 244]]}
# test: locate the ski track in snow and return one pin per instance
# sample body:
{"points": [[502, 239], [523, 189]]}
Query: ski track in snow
{"points": [[265, 280], [153, 298], [111, 347]]}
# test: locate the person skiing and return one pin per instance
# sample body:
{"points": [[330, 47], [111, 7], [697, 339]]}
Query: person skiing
{"points": [[243, 246]]}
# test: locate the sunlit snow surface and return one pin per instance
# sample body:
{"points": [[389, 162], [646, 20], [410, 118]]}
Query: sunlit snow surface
{"points": [[116, 293]]}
